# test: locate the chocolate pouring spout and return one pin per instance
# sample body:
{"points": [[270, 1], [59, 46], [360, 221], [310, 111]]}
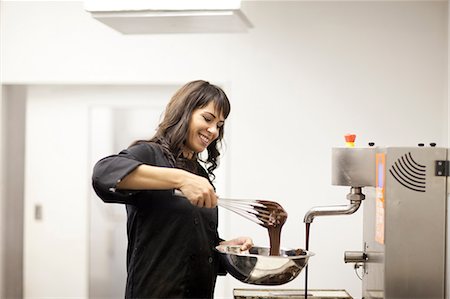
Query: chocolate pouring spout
{"points": [[355, 196]]}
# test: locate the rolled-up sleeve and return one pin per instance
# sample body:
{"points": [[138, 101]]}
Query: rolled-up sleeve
{"points": [[109, 171]]}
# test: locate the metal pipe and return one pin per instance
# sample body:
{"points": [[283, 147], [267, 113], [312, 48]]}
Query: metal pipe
{"points": [[355, 196]]}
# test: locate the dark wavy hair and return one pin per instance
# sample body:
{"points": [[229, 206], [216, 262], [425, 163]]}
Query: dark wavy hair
{"points": [[172, 131]]}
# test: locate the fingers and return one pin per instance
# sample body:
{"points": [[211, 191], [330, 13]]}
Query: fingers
{"points": [[210, 200], [248, 243], [199, 191], [245, 242], [214, 200], [205, 200]]}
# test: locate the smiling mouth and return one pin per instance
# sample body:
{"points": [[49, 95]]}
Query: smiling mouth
{"points": [[204, 139]]}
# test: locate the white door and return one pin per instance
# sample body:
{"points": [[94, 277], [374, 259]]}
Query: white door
{"points": [[74, 244]]}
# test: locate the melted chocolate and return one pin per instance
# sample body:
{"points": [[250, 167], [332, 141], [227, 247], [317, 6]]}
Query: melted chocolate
{"points": [[308, 226], [273, 217]]}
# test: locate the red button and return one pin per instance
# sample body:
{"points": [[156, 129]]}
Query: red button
{"points": [[350, 138]]}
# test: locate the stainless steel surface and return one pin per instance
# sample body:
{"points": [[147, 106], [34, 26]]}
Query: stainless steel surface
{"points": [[330, 211], [258, 267], [406, 225], [355, 257], [373, 275], [355, 196], [353, 167], [289, 293]]}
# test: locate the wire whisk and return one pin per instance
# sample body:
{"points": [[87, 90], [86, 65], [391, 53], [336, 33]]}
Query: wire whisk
{"points": [[252, 210], [263, 212]]}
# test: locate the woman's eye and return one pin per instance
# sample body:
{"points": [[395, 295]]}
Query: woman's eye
{"points": [[207, 119]]}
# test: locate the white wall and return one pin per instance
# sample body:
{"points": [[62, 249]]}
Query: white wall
{"points": [[308, 73]]}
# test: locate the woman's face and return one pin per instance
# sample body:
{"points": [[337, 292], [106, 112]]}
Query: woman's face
{"points": [[204, 127]]}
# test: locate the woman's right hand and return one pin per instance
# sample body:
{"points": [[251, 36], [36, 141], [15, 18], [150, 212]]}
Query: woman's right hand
{"points": [[198, 191]]}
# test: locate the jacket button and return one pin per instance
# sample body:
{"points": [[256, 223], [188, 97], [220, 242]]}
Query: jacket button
{"points": [[210, 260], [195, 220], [212, 225]]}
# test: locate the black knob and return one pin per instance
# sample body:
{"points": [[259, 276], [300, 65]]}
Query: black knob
{"points": [[433, 144], [421, 144], [371, 143]]}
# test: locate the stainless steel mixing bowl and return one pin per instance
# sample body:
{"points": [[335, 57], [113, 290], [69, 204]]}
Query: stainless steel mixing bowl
{"points": [[256, 266]]}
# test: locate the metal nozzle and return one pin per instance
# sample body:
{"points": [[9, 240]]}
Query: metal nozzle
{"points": [[355, 196]]}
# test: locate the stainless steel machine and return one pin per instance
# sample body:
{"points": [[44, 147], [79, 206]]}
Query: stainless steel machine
{"points": [[404, 190]]}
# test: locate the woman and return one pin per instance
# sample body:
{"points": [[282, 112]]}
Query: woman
{"points": [[171, 239]]}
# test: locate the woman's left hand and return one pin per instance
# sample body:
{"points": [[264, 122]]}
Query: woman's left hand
{"points": [[245, 242]]}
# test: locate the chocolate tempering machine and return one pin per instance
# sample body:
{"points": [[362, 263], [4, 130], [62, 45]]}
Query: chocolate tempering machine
{"points": [[403, 192], [404, 250]]}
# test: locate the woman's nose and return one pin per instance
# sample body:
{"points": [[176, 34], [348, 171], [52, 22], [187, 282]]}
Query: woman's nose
{"points": [[213, 130]]}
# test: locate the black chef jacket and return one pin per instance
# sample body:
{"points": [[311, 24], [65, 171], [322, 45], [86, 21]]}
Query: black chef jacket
{"points": [[170, 242]]}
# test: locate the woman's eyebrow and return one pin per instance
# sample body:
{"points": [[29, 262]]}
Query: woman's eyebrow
{"points": [[210, 113], [213, 115]]}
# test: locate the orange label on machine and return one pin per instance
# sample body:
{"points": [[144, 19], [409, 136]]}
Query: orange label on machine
{"points": [[379, 197]]}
